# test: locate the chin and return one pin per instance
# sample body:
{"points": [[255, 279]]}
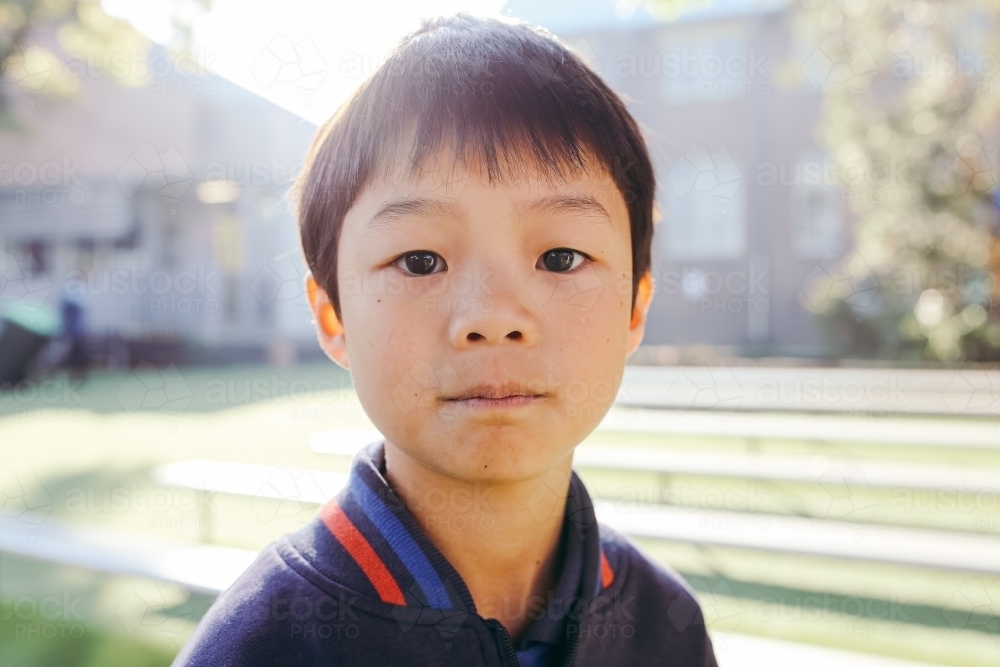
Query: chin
{"points": [[494, 460]]}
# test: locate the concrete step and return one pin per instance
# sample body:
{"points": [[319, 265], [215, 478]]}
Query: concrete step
{"points": [[210, 570], [947, 550], [203, 568], [806, 470], [968, 392], [919, 547], [913, 430], [736, 650]]}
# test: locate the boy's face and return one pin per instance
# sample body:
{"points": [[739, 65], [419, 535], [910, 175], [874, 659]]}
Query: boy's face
{"points": [[485, 326]]}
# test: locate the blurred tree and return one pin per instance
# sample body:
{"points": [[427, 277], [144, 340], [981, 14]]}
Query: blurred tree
{"points": [[911, 95], [47, 46], [911, 100], [665, 10]]}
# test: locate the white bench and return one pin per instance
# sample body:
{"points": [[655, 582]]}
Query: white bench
{"points": [[206, 569], [210, 570], [919, 547], [968, 392], [247, 479], [912, 431], [909, 431], [737, 650], [762, 532], [813, 470]]}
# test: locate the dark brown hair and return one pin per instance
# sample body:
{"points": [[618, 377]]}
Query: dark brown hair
{"points": [[506, 95]]}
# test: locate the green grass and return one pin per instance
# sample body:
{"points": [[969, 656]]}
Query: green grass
{"points": [[23, 644], [54, 615], [948, 618], [70, 449]]}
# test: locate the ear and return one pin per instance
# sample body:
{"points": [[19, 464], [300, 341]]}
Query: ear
{"points": [[637, 326], [329, 330]]}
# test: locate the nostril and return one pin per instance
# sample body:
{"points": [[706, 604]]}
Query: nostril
{"points": [[514, 334], [474, 336]]}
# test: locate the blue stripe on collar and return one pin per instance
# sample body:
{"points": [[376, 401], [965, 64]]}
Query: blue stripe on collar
{"points": [[403, 544], [423, 573]]}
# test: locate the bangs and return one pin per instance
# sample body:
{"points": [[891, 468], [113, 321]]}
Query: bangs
{"points": [[498, 155], [526, 111]]}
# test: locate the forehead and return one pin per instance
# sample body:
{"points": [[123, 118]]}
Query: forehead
{"points": [[466, 181]]}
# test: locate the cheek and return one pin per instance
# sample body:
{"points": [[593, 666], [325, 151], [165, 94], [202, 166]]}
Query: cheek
{"points": [[390, 342], [586, 310], [588, 343]]}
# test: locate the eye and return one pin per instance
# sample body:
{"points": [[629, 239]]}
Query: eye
{"points": [[421, 262], [561, 260]]}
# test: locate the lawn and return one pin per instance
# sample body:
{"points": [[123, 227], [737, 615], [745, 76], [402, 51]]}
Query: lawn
{"points": [[85, 453]]}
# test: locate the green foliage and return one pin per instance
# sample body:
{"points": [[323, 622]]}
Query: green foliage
{"points": [[911, 102], [668, 10], [46, 46], [911, 98]]}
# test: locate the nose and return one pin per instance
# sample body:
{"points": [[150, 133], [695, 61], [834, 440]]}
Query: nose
{"points": [[498, 313]]}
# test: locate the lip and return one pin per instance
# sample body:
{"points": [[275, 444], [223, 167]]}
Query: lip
{"points": [[506, 395]]}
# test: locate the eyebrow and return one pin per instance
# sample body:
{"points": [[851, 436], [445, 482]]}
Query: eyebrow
{"points": [[413, 206], [564, 204], [423, 207]]}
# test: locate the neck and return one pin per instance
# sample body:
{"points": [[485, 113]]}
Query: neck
{"points": [[501, 538]]}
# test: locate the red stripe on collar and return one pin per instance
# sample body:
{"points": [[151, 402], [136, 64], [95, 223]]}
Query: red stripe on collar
{"points": [[607, 574], [362, 552]]}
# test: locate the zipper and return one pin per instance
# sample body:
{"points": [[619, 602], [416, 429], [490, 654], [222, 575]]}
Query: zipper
{"points": [[571, 649], [506, 646]]}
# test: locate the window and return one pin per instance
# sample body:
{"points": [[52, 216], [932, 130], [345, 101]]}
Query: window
{"points": [[815, 209], [705, 207], [705, 65]]}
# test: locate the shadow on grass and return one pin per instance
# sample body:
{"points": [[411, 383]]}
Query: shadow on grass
{"points": [[173, 391], [98, 491], [816, 604]]}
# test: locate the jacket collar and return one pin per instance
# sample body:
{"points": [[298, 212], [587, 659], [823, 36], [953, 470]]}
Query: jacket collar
{"points": [[395, 558]]}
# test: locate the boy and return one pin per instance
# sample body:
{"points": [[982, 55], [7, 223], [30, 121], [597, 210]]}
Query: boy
{"points": [[477, 219]]}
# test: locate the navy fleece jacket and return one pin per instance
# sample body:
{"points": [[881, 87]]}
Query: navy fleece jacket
{"points": [[363, 585]]}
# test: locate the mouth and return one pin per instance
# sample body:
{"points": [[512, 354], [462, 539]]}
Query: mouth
{"points": [[493, 396]]}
